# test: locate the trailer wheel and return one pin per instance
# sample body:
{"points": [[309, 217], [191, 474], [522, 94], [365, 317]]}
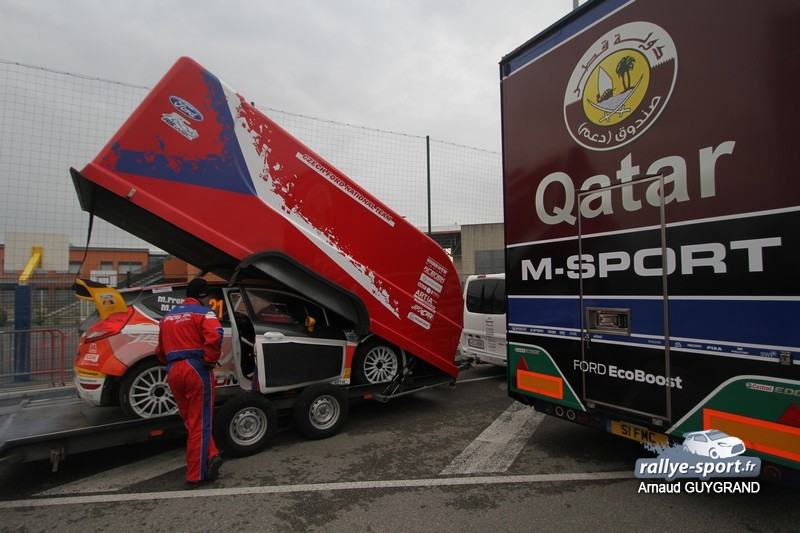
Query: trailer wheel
{"points": [[245, 424], [320, 411], [144, 391], [376, 361]]}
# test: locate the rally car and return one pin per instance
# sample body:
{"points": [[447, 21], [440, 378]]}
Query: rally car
{"points": [[116, 362]]}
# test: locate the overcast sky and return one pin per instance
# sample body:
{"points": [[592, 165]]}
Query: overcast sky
{"points": [[422, 67]]}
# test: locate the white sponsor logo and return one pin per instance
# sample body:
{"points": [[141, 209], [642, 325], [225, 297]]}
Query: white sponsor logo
{"points": [[180, 124], [637, 374], [647, 262], [430, 283], [676, 181], [419, 321]]}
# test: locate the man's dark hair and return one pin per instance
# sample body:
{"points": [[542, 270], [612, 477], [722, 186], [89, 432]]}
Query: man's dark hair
{"points": [[197, 288]]}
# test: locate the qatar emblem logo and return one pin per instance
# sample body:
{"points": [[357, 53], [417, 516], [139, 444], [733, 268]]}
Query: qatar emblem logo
{"points": [[620, 86]]}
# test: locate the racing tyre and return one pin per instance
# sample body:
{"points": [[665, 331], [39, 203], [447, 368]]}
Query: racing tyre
{"points": [[376, 361], [714, 454], [245, 424], [144, 391], [320, 411]]}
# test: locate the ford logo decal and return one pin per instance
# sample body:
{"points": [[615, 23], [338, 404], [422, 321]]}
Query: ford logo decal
{"points": [[186, 108]]}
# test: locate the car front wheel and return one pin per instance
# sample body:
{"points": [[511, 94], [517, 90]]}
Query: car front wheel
{"points": [[376, 361], [144, 391]]}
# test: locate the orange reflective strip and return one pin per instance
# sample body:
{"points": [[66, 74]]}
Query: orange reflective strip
{"points": [[760, 435], [350, 350], [543, 384]]}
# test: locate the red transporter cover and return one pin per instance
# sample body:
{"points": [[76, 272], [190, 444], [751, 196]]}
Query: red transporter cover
{"points": [[197, 162]]}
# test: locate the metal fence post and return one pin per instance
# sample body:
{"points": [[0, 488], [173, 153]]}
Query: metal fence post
{"points": [[428, 160], [22, 340]]}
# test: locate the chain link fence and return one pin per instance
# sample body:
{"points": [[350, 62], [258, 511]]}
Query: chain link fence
{"points": [[52, 120]]}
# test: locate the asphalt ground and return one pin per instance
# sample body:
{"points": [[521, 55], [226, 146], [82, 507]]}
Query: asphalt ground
{"points": [[462, 458]]}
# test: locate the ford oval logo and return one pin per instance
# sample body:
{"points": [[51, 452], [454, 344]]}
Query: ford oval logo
{"points": [[186, 108]]}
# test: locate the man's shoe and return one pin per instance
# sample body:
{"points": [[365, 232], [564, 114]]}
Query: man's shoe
{"points": [[212, 473], [189, 485]]}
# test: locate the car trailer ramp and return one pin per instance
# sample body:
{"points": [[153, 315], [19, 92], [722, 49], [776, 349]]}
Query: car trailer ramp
{"points": [[53, 428]]}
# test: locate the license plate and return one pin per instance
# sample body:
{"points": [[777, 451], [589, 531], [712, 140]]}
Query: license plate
{"points": [[638, 433], [475, 343]]}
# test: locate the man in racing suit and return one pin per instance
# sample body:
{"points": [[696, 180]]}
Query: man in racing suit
{"points": [[189, 342]]}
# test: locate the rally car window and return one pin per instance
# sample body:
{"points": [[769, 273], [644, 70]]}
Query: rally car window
{"points": [[217, 304], [270, 307], [237, 303], [161, 301]]}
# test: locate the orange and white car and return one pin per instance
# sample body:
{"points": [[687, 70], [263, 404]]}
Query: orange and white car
{"points": [[116, 363]]}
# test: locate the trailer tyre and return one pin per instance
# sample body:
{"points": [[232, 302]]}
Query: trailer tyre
{"points": [[320, 411], [144, 391], [376, 361], [245, 424]]}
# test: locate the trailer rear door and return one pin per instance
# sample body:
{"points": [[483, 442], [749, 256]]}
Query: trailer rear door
{"points": [[624, 302]]}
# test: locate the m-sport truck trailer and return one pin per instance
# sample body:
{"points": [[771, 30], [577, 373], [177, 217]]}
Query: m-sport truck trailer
{"points": [[652, 221]]}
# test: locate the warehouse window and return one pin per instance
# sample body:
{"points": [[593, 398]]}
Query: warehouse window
{"points": [[489, 261], [130, 266]]}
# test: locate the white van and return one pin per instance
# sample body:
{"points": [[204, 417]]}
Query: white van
{"points": [[484, 335]]}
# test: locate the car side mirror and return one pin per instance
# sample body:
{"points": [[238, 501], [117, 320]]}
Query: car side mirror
{"points": [[310, 323]]}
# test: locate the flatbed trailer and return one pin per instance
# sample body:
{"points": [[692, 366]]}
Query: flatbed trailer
{"points": [[44, 427], [52, 428]]}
